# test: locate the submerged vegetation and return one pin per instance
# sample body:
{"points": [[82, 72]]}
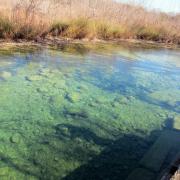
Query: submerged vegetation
{"points": [[94, 112], [104, 19]]}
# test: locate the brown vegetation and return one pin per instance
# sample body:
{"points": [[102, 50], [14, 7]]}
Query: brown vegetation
{"points": [[78, 19]]}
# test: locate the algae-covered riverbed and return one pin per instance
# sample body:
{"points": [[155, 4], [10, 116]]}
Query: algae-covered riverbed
{"points": [[88, 112]]}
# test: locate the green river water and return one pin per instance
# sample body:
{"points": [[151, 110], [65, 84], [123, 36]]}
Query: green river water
{"points": [[88, 112]]}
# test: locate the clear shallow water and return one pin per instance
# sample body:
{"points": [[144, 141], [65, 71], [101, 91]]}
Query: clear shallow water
{"points": [[88, 112]]}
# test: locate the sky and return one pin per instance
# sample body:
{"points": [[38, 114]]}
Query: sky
{"points": [[162, 5]]}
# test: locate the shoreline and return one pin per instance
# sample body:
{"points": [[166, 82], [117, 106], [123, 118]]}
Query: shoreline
{"points": [[59, 42]]}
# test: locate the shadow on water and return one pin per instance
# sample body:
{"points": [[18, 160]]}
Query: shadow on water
{"points": [[115, 162], [122, 156], [20, 168], [70, 131]]}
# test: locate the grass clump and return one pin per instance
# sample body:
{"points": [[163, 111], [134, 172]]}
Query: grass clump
{"points": [[109, 31], [85, 28], [58, 28], [25, 32], [148, 33], [103, 31], [6, 28], [78, 29]]}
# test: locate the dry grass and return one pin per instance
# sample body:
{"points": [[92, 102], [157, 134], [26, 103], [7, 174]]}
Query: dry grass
{"points": [[76, 19]]}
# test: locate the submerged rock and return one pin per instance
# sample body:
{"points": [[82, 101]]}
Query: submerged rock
{"points": [[33, 78], [124, 100], [15, 138], [171, 103], [62, 131], [121, 100], [162, 115], [79, 140], [176, 124], [82, 87], [65, 131], [5, 75], [5, 63], [4, 171], [115, 104], [73, 97], [76, 113], [101, 99], [56, 159], [45, 72], [92, 104]]}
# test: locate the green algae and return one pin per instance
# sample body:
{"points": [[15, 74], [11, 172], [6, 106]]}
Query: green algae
{"points": [[59, 113]]}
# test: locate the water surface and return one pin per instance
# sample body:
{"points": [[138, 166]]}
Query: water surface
{"points": [[88, 112]]}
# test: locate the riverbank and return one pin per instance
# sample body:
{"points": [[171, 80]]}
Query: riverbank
{"points": [[104, 21], [59, 42]]}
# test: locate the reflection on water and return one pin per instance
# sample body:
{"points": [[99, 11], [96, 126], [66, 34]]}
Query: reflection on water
{"points": [[90, 111]]}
